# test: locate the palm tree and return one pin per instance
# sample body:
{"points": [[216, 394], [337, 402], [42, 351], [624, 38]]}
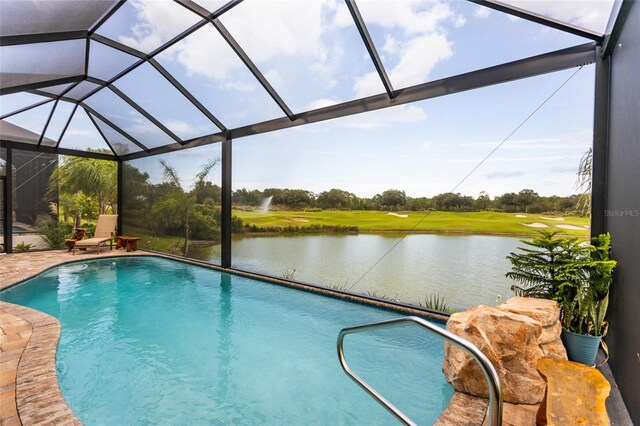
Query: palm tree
{"points": [[583, 183], [177, 205], [96, 179]]}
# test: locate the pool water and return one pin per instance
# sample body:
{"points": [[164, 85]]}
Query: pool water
{"points": [[147, 340]]}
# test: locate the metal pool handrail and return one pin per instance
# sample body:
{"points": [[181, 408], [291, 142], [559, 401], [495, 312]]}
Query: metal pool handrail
{"points": [[495, 390]]}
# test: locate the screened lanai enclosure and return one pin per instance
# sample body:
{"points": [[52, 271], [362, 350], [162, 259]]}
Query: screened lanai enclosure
{"points": [[310, 140]]}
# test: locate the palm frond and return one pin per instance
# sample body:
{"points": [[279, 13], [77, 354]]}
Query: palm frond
{"points": [[170, 174]]}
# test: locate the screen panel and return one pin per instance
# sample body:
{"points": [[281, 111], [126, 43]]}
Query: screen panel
{"points": [[169, 214]]}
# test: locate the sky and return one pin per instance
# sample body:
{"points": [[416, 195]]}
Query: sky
{"points": [[312, 54]]}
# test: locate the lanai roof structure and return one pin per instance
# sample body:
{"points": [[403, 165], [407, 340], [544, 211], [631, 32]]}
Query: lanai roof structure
{"points": [[96, 68], [85, 59]]}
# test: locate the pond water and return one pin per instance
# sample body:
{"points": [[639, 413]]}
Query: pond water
{"points": [[465, 270]]}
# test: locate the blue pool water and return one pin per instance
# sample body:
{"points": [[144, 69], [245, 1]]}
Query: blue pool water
{"points": [[147, 340]]}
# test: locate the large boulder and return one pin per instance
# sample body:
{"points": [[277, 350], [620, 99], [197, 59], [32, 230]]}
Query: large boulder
{"points": [[514, 336]]}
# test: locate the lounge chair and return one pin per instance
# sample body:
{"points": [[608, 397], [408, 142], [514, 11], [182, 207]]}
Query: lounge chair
{"points": [[105, 231]]}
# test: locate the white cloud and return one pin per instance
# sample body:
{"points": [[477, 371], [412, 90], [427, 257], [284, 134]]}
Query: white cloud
{"points": [[181, 127], [384, 117], [153, 28], [577, 140], [460, 22], [420, 55], [592, 15], [80, 133], [321, 103], [412, 17], [503, 175], [482, 12], [367, 84], [273, 76], [415, 40], [391, 45]]}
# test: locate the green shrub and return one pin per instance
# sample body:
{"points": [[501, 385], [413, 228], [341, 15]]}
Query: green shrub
{"points": [[435, 302], [22, 247], [53, 232]]}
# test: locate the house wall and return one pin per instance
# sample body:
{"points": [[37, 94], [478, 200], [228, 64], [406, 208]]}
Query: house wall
{"points": [[622, 212]]}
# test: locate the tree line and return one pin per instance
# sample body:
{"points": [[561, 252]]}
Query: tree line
{"points": [[525, 200]]}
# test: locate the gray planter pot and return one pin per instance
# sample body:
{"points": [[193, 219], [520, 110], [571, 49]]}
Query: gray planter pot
{"points": [[581, 348]]}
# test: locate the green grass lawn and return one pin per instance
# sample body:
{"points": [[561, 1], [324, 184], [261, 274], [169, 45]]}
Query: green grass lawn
{"points": [[163, 243], [380, 221]]}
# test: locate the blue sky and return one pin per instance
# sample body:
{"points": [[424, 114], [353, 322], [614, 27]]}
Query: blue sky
{"points": [[312, 54]]}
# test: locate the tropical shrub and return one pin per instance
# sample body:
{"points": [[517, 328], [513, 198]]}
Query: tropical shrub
{"points": [[22, 247], [576, 274], [54, 233]]}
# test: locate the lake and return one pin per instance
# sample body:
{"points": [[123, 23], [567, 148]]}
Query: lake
{"points": [[466, 270]]}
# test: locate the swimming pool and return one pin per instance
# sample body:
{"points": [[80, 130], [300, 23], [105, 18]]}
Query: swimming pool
{"points": [[147, 340]]}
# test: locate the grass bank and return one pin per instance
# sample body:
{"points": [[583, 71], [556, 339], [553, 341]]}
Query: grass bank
{"points": [[434, 222]]}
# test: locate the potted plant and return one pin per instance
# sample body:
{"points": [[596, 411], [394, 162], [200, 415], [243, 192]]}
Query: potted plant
{"points": [[578, 276]]}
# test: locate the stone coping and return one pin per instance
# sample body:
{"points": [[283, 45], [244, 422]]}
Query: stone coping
{"points": [[38, 399]]}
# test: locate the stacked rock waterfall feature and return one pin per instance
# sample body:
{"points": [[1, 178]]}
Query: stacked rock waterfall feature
{"points": [[514, 336]]}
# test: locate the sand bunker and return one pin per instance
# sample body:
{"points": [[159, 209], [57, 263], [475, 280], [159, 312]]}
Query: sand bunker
{"points": [[536, 225], [398, 215], [299, 219], [521, 215], [577, 228], [551, 218]]}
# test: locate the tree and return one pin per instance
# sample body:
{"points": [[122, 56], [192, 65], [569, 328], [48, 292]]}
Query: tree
{"points": [[336, 199], [176, 206], [526, 198], [96, 179], [583, 183], [508, 202], [393, 199], [483, 201], [544, 267], [453, 202]]}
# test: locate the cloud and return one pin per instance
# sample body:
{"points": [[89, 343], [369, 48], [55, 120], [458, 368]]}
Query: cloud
{"points": [[503, 175], [576, 140], [460, 22], [385, 117], [482, 12], [153, 28], [183, 128], [412, 18], [321, 103], [403, 114], [592, 15], [541, 158], [415, 41], [80, 132], [563, 170], [419, 57], [367, 84]]}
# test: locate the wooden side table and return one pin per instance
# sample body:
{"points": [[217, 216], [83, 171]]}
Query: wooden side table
{"points": [[78, 234], [129, 243]]}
